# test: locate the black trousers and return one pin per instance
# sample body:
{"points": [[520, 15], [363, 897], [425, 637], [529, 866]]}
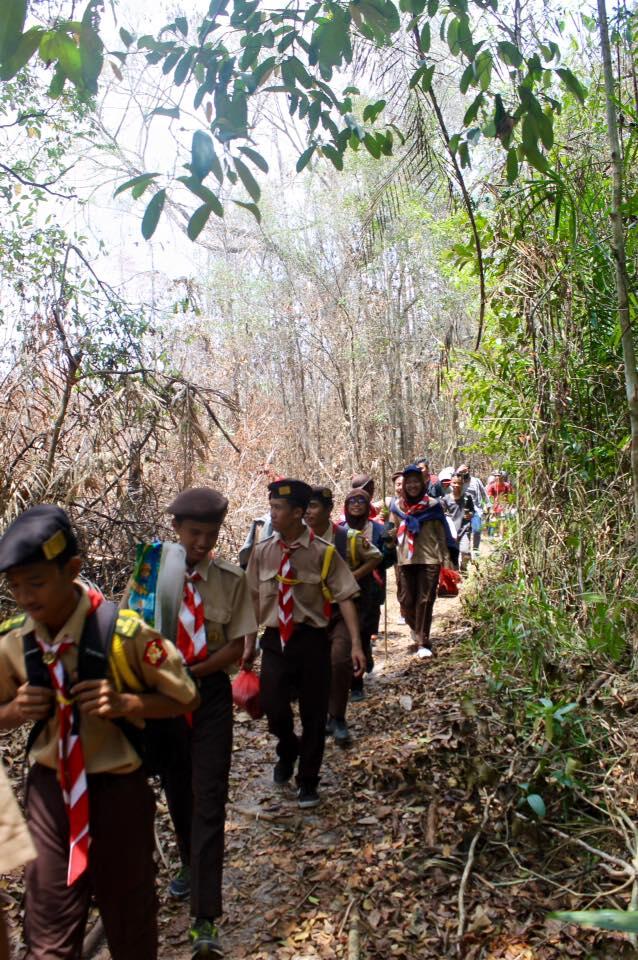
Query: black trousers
{"points": [[418, 583], [302, 668], [196, 786], [121, 872]]}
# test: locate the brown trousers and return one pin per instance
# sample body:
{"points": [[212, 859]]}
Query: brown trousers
{"points": [[303, 668], [196, 788], [417, 586], [340, 667], [121, 872]]}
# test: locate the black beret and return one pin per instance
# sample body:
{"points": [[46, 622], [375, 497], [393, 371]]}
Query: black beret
{"points": [[323, 495], [360, 480], [40, 533], [296, 491], [199, 503]]}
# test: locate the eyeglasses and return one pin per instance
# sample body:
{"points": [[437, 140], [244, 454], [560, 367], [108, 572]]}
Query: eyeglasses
{"points": [[358, 500]]}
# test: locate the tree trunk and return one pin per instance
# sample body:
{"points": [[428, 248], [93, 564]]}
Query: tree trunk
{"points": [[619, 256]]}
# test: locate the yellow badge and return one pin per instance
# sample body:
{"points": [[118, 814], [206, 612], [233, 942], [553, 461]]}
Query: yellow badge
{"points": [[284, 491], [54, 546]]}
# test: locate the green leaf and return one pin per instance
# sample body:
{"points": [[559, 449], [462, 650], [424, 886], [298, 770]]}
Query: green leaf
{"points": [[183, 67], [572, 83], [172, 112], [626, 920], [426, 37], [510, 54], [182, 25], [467, 78], [203, 155], [372, 111], [511, 165], [57, 83], [426, 79], [70, 59], [256, 158], [91, 49], [305, 158], [152, 214], [204, 193], [246, 177], [537, 804], [143, 178], [433, 6], [13, 13], [198, 221], [127, 38], [252, 207], [22, 53]]}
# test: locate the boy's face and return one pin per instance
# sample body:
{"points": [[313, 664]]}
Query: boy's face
{"points": [[284, 515], [413, 484], [318, 516], [198, 537], [457, 486], [44, 589]]}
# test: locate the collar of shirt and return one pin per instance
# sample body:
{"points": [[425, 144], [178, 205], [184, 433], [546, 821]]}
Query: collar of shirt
{"points": [[303, 540], [71, 629], [203, 567]]}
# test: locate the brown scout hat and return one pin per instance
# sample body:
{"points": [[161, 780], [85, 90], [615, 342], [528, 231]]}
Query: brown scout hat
{"points": [[360, 480], [199, 503], [298, 492], [322, 495]]}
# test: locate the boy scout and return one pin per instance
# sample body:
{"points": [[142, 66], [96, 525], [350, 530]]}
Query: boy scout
{"points": [[424, 544], [362, 558], [293, 576], [212, 612], [88, 677]]}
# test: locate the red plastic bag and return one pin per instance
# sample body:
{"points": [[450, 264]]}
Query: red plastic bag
{"points": [[246, 693], [449, 582]]}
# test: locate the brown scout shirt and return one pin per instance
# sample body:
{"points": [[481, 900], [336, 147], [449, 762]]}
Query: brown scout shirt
{"points": [[430, 546], [306, 561], [228, 608], [106, 748], [365, 548], [16, 845]]}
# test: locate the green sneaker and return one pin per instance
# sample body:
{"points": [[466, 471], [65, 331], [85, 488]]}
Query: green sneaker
{"points": [[205, 940]]}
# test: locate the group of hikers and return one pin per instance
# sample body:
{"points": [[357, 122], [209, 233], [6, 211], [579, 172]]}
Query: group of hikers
{"points": [[116, 692]]}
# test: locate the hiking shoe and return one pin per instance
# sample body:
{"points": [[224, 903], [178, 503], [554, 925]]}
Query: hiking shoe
{"points": [[282, 772], [307, 797], [341, 733], [180, 886], [330, 726], [356, 696], [205, 937], [423, 652]]}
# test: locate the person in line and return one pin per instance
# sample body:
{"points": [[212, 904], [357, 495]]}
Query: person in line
{"points": [[16, 845], [205, 606], [363, 532], [499, 490], [433, 485], [473, 486], [293, 577], [459, 506], [363, 481], [424, 545], [86, 677], [362, 558]]}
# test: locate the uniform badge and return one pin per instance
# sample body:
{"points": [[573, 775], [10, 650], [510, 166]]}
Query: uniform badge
{"points": [[155, 653]]}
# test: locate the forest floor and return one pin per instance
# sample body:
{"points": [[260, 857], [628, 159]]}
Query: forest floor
{"points": [[411, 854]]}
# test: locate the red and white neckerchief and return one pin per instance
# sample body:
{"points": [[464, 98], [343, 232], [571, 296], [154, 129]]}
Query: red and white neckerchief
{"points": [[71, 765], [285, 597], [191, 628], [405, 534]]}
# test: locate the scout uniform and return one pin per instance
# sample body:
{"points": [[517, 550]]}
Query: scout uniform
{"points": [[89, 807], [355, 548], [424, 544], [195, 776], [294, 584]]}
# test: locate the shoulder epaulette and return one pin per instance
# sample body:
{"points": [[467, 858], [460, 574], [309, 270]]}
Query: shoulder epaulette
{"points": [[228, 566], [12, 623], [128, 624]]}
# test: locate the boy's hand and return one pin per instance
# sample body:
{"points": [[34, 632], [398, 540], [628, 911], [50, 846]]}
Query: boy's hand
{"points": [[97, 698], [33, 703]]}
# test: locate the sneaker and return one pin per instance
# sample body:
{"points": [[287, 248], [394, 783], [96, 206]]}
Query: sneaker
{"points": [[330, 726], [205, 937], [282, 772], [341, 733], [423, 652], [401, 621], [180, 886], [356, 696], [307, 797]]}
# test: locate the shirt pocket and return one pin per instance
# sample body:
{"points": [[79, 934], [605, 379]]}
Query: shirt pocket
{"points": [[216, 615], [309, 591], [268, 583]]}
